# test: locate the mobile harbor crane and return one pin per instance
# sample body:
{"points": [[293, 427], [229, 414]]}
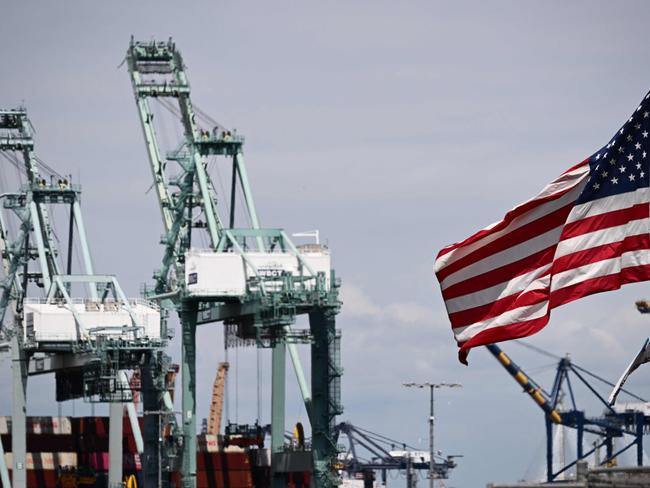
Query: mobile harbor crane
{"points": [[64, 319], [254, 280], [615, 422]]}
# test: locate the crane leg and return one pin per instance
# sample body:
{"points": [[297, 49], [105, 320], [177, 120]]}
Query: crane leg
{"points": [[115, 435], [151, 406], [609, 446], [278, 386], [325, 381], [549, 449], [19, 415], [639, 438], [188, 379]]}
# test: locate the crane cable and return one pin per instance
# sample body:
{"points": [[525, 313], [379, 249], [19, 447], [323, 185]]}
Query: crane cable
{"points": [[206, 117], [237, 385], [227, 382], [579, 368], [13, 160], [383, 438], [537, 349], [259, 385], [48, 168]]}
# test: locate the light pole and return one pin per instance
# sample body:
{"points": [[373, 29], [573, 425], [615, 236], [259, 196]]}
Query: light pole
{"points": [[432, 387]]}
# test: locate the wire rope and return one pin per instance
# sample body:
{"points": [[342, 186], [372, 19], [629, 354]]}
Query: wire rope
{"points": [[227, 382], [47, 167], [608, 383], [215, 165], [383, 438], [542, 368], [207, 118], [4, 187], [579, 368], [13, 161], [537, 349], [237, 385], [259, 385], [163, 133]]}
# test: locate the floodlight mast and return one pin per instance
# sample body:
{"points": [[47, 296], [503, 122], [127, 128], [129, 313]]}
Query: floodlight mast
{"points": [[262, 300], [432, 387]]}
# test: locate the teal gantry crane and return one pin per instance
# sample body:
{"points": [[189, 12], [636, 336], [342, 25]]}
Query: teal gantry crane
{"points": [[59, 318], [254, 280]]}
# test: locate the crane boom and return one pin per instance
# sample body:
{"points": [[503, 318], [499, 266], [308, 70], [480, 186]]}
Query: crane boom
{"points": [[216, 403], [529, 386]]}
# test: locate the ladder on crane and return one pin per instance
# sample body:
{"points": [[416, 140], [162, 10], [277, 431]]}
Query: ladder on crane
{"points": [[252, 278]]}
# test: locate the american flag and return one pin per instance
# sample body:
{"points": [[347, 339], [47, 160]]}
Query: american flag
{"points": [[584, 233]]}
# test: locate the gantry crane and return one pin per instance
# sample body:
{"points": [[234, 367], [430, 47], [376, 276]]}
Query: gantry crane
{"points": [[615, 422], [249, 277], [387, 454], [74, 323]]}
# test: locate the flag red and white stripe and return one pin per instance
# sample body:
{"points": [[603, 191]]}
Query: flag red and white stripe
{"points": [[584, 233]]}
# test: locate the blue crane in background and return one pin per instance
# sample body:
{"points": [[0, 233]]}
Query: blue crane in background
{"points": [[614, 422]]}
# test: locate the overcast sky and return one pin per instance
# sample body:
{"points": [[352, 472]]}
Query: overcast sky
{"points": [[394, 128]]}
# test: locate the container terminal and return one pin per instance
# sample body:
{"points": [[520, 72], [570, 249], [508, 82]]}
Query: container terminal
{"points": [[219, 266]]}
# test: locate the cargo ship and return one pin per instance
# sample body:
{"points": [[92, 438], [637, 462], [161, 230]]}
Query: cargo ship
{"points": [[66, 452]]}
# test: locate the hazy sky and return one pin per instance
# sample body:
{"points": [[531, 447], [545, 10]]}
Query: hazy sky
{"points": [[393, 127]]}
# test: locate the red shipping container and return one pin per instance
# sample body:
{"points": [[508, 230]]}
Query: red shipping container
{"points": [[41, 478], [224, 479], [235, 479], [99, 461], [211, 461], [96, 460], [45, 443]]}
